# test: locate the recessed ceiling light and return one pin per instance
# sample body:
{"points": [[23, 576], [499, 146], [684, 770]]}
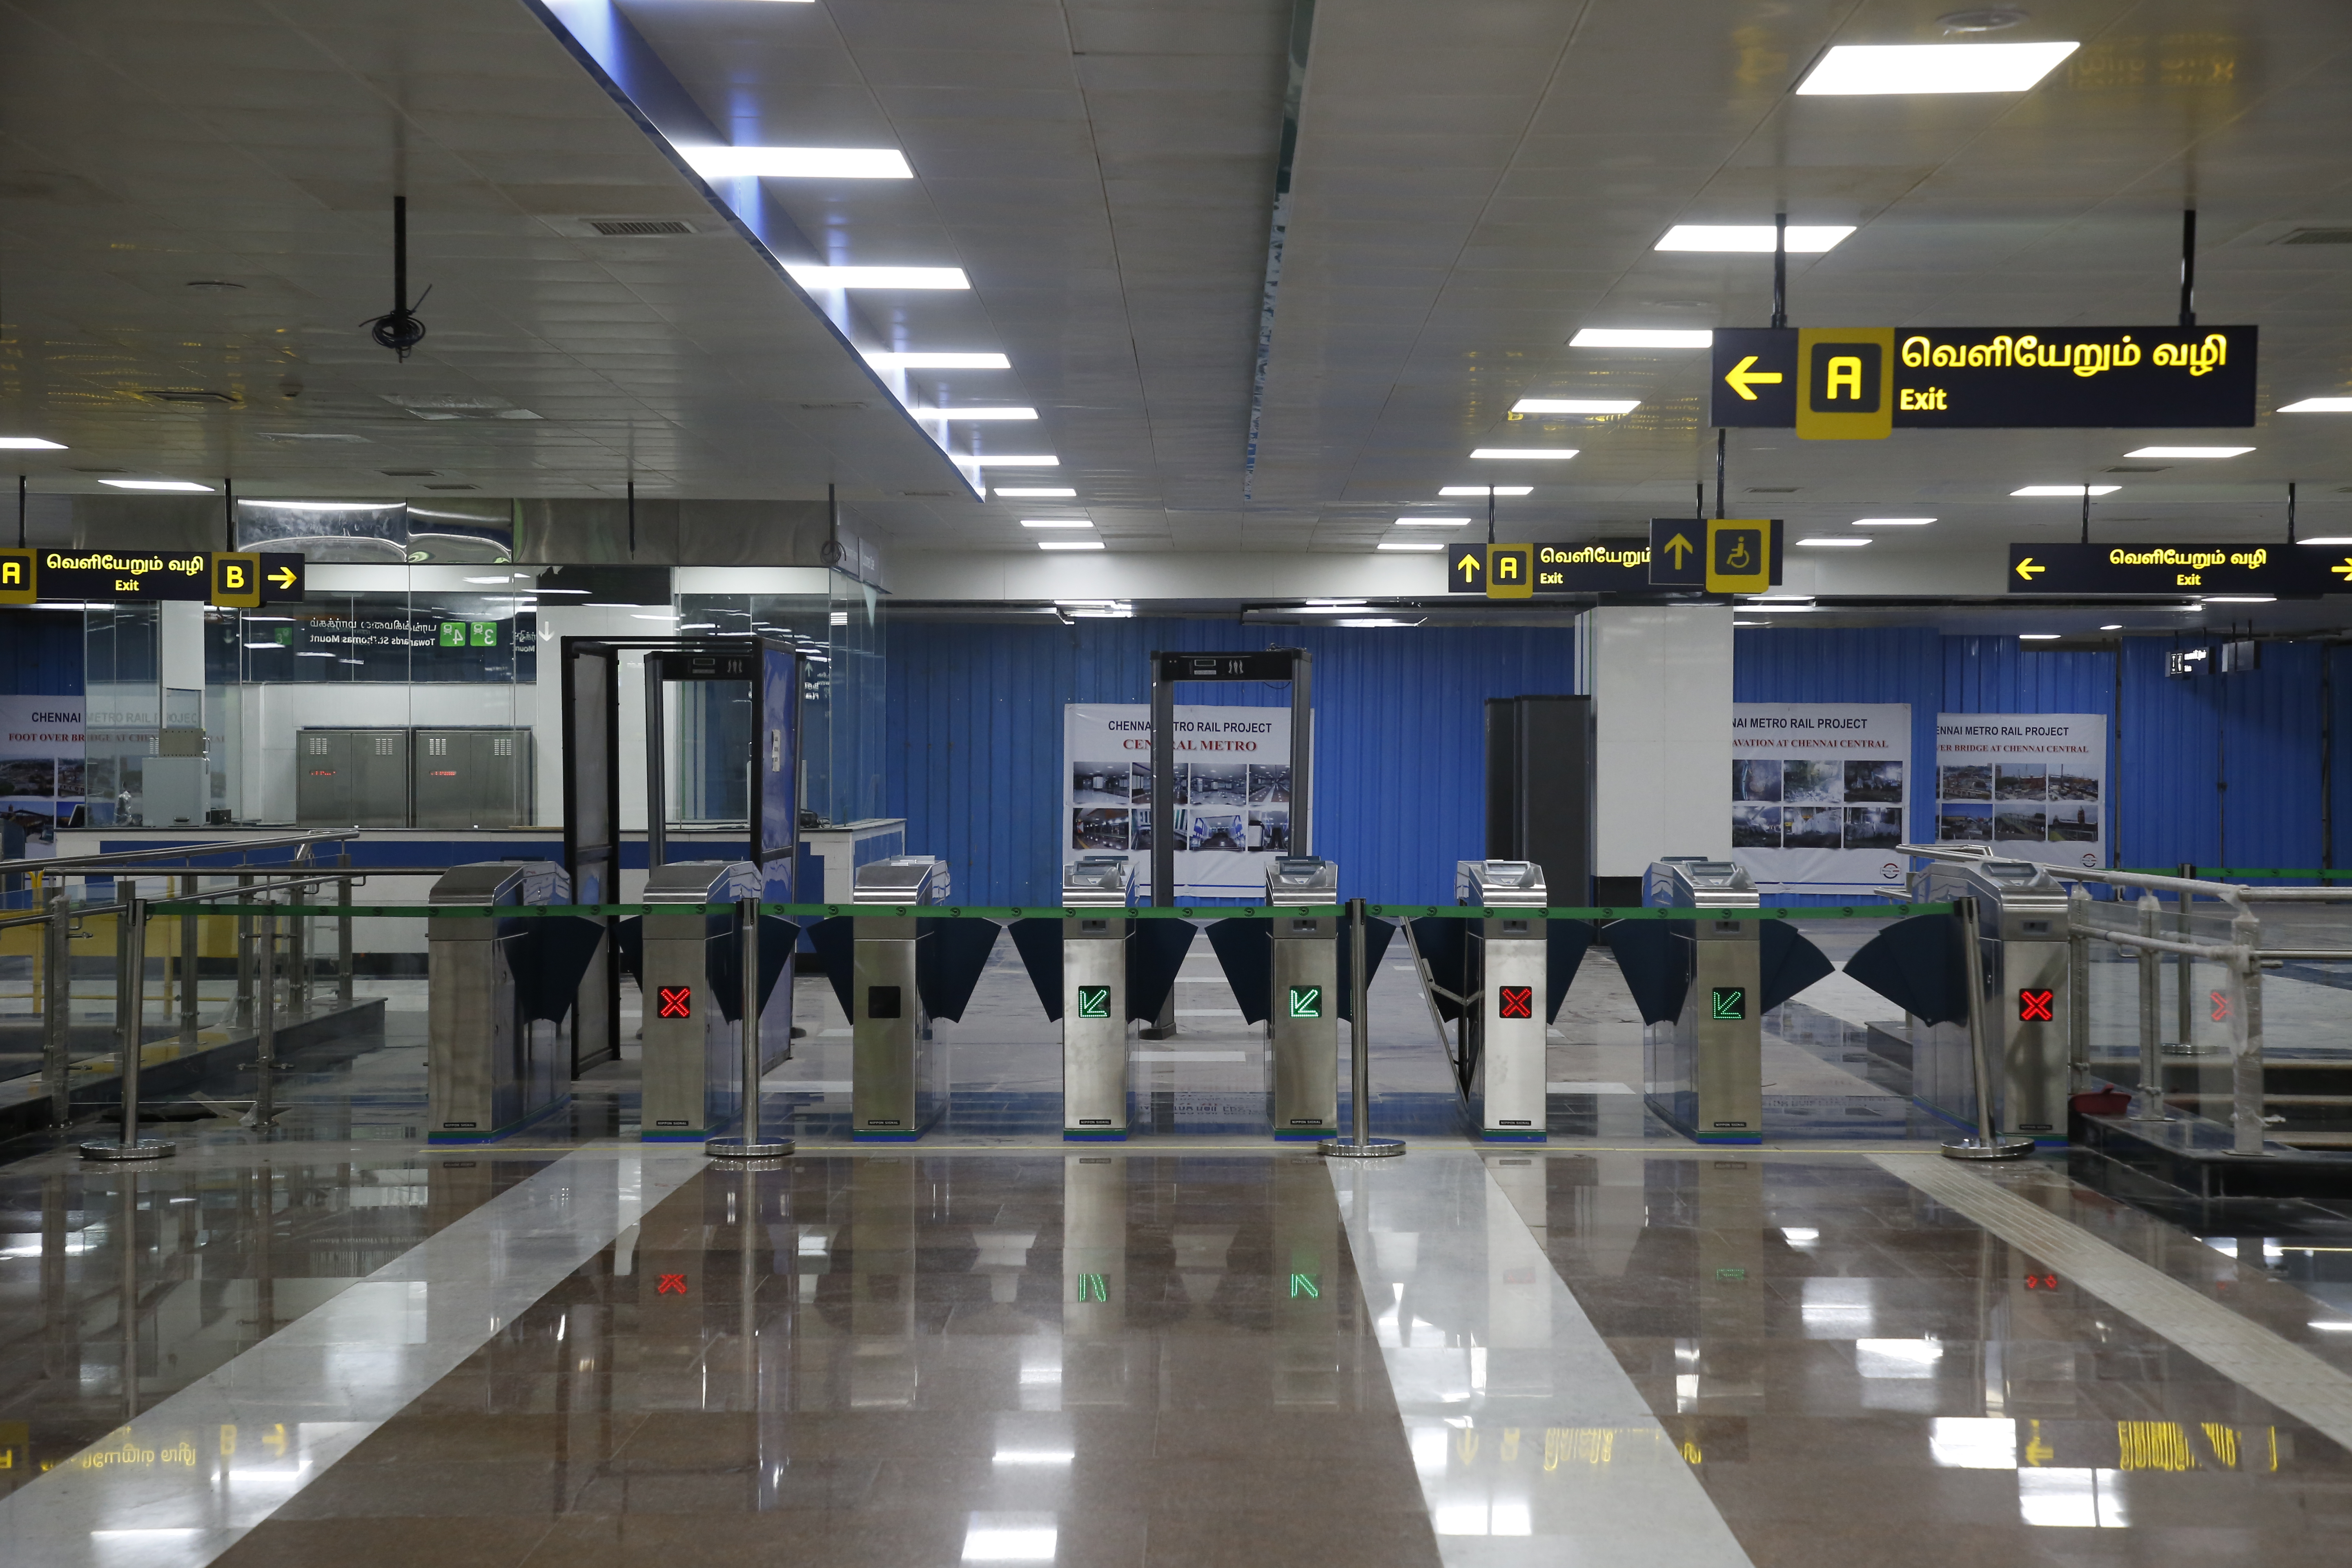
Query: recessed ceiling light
{"points": [[2066, 490], [2345, 539], [1413, 545], [1810, 239], [914, 359], [29, 444], [1640, 338], [976, 413], [1055, 522], [1778, 609], [1011, 461], [2037, 637], [1751, 622], [1891, 521], [1008, 490], [1486, 490], [1376, 623], [1069, 544], [813, 276], [1873, 68], [2116, 627], [157, 485], [1526, 454], [2191, 452], [798, 162], [1575, 406], [2318, 406], [2240, 599], [1432, 522], [1823, 544]]}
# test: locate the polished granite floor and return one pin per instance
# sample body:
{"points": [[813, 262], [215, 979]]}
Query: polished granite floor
{"points": [[330, 1343]]}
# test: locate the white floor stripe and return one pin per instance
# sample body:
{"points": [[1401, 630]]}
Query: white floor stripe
{"points": [[2260, 1362], [185, 1480], [1533, 1445]]}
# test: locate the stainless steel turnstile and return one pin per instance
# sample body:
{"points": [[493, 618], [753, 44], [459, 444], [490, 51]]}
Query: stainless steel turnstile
{"points": [[693, 1053], [2021, 936], [1302, 1057], [490, 1067], [1094, 1000], [897, 1083], [1704, 1071], [1509, 976]]}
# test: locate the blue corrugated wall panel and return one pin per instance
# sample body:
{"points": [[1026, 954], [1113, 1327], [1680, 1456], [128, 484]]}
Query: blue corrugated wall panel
{"points": [[1859, 664], [2339, 671], [2220, 770], [976, 738], [40, 653]]}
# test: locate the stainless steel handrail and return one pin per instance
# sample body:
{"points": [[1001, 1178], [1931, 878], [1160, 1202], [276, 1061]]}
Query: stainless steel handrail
{"points": [[181, 851]]}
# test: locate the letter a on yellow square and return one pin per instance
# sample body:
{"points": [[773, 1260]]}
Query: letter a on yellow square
{"points": [[1845, 384]]}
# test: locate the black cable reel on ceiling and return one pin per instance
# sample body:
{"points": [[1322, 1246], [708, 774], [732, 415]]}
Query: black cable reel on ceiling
{"points": [[398, 328]]}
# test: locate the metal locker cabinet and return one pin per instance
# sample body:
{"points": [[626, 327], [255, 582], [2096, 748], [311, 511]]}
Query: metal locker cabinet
{"points": [[351, 778]]}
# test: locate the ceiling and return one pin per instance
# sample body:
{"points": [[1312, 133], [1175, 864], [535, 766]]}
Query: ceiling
{"points": [[1472, 184]]}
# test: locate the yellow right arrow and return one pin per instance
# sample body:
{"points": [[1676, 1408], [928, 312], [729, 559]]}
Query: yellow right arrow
{"points": [[2026, 569], [283, 576], [1739, 378], [2344, 571], [1680, 549]]}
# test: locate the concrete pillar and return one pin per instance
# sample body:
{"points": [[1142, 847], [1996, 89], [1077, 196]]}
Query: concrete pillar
{"points": [[1660, 681]]}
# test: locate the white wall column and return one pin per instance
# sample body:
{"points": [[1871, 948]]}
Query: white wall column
{"points": [[1660, 679]]}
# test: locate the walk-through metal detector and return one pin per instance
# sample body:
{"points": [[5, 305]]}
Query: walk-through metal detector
{"points": [[591, 798]]}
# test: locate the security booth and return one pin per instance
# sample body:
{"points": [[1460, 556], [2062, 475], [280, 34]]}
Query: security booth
{"points": [[1095, 973], [687, 963], [2021, 936], [499, 988]]}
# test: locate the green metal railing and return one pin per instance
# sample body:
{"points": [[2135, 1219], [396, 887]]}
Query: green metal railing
{"points": [[1051, 911]]}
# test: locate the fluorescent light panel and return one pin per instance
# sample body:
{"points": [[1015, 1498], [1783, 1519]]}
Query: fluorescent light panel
{"points": [[798, 162], [1860, 69], [2240, 599], [1009, 490], [1640, 338], [2331, 540], [1809, 240], [2066, 490], [1526, 454], [2191, 452], [977, 412], [810, 276], [1834, 543], [1413, 545], [2318, 406], [29, 444], [157, 485], [1486, 490], [1891, 521], [1011, 461], [1432, 522], [912, 359], [1069, 544], [1575, 406], [2037, 637], [1056, 522]]}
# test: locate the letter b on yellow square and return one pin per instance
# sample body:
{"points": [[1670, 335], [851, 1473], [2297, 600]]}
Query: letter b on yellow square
{"points": [[1845, 384], [237, 580]]}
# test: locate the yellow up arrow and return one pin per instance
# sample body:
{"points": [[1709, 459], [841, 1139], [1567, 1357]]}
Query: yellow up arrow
{"points": [[1469, 565], [2026, 569], [1739, 378], [1680, 549]]}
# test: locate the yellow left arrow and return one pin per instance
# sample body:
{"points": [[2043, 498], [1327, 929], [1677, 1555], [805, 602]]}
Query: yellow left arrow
{"points": [[1739, 378], [283, 577], [2026, 569]]}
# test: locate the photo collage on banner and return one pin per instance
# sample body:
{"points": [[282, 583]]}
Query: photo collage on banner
{"points": [[2032, 786], [41, 756], [1818, 791], [1233, 792]]}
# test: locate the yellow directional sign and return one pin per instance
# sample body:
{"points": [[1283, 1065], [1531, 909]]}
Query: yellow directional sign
{"points": [[1845, 384], [2028, 570], [282, 578], [2344, 571], [1511, 571], [1466, 573], [1744, 376], [16, 584], [1679, 548], [1739, 555], [236, 580]]}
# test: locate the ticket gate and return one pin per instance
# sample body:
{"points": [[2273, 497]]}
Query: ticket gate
{"points": [[1508, 997], [689, 967], [1096, 974], [2021, 936], [498, 991], [897, 1083]]}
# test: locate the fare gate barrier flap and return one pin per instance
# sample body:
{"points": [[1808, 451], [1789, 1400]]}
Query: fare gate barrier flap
{"points": [[949, 956], [1917, 965], [549, 958], [1155, 954], [1654, 957], [777, 938], [1244, 950], [1444, 947]]}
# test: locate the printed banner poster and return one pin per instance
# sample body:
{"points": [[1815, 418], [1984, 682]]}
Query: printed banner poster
{"points": [[1233, 792], [2031, 785], [1817, 794], [40, 754]]}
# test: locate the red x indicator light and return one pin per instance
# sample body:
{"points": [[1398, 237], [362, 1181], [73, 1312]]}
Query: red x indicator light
{"points": [[670, 1285], [1515, 1000], [2033, 1007], [675, 1001]]}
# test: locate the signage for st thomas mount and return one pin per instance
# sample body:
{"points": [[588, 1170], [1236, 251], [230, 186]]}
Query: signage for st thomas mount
{"points": [[2289, 571], [1951, 378]]}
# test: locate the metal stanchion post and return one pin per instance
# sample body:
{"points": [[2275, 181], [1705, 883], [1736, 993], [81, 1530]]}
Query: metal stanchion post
{"points": [[2246, 1035], [190, 978], [2184, 969], [298, 954], [344, 941], [265, 962], [2078, 989], [1988, 1144], [748, 1145], [130, 996], [56, 1003], [241, 1014], [1362, 1145], [2147, 1099]]}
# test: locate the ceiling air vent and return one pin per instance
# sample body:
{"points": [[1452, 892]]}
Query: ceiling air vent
{"points": [[2137, 468], [844, 407], [1771, 489], [453, 486], [632, 226], [409, 473], [638, 228], [188, 394], [2319, 236]]}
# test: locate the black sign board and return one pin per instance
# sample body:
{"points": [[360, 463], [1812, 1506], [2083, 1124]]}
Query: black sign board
{"points": [[1274, 664], [1955, 378], [1678, 553], [107, 574], [1603, 566], [703, 666], [2289, 571]]}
